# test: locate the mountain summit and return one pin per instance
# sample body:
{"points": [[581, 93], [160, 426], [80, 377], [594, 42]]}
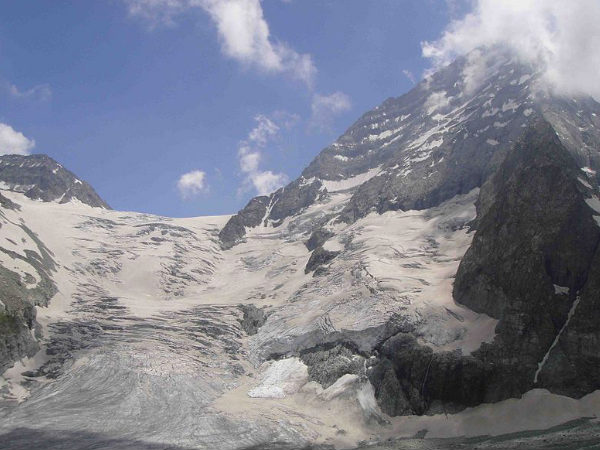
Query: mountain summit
{"points": [[443, 138], [39, 177]]}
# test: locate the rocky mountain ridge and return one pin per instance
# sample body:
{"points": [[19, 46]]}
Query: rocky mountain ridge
{"points": [[39, 177], [443, 138]]}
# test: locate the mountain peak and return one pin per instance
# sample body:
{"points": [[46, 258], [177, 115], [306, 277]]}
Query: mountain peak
{"points": [[443, 138], [40, 177]]}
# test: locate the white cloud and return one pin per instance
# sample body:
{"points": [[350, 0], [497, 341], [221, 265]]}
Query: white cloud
{"points": [[14, 142], [41, 92], [250, 154], [158, 12], [408, 74], [437, 100], [560, 38], [266, 182], [244, 33], [265, 129], [325, 108], [192, 184]]}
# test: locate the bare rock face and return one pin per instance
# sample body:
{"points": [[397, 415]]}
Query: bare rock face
{"points": [[251, 216], [39, 177], [19, 294], [319, 258], [533, 265], [533, 261]]}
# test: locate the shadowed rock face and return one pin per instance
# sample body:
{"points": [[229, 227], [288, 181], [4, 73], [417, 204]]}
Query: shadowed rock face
{"points": [[40, 177], [251, 216], [533, 263], [318, 258], [534, 255]]}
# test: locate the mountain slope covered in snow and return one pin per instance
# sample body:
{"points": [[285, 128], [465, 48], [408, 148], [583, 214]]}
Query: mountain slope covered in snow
{"points": [[434, 272]]}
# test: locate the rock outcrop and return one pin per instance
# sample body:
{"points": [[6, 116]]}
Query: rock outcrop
{"points": [[39, 177], [533, 265]]}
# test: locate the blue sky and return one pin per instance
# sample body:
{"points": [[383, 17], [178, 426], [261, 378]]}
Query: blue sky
{"points": [[131, 95]]}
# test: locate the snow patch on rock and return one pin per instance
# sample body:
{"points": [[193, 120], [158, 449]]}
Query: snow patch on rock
{"points": [[281, 378]]}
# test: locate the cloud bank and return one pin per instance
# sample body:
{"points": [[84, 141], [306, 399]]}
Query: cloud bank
{"points": [[560, 38], [192, 184], [14, 142], [243, 31]]}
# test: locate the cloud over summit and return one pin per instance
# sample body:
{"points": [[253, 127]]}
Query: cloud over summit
{"points": [[560, 38], [14, 142]]}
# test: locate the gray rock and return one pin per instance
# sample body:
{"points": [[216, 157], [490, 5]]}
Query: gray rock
{"points": [[253, 318], [318, 238], [327, 363], [251, 216], [39, 177], [534, 230], [319, 258]]}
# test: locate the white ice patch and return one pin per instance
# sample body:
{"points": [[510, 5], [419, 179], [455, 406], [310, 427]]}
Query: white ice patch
{"points": [[342, 386], [357, 180], [593, 203], [492, 142], [490, 112], [584, 182], [433, 144], [307, 181], [561, 289], [281, 378], [21, 268], [556, 339], [333, 245], [524, 78], [341, 157], [378, 137], [510, 105], [528, 112]]}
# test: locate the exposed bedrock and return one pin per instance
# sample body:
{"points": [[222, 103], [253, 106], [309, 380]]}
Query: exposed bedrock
{"points": [[20, 293], [253, 318], [319, 258], [318, 238], [534, 265], [327, 363], [250, 216], [39, 177]]}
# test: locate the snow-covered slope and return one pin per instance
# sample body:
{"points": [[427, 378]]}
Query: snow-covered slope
{"points": [[144, 341], [326, 313]]}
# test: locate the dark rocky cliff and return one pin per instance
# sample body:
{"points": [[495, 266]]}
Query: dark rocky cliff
{"points": [[533, 264]]}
